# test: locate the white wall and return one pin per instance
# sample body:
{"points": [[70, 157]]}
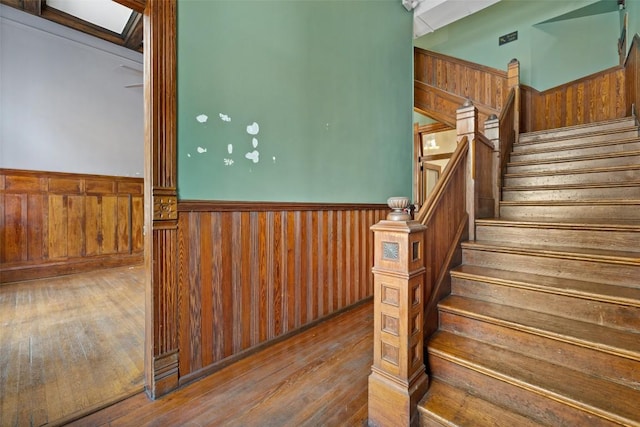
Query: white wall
{"points": [[63, 102]]}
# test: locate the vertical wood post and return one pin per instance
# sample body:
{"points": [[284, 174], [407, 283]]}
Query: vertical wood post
{"points": [[492, 132], [398, 379], [467, 125], [417, 169], [513, 81], [161, 202]]}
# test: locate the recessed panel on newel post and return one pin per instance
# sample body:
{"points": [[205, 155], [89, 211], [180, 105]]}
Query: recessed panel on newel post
{"points": [[398, 379]]}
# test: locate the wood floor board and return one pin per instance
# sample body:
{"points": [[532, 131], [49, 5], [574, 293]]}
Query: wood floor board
{"points": [[317, 377], [69, 344]]}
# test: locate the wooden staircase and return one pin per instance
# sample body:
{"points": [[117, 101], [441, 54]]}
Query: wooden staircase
{"points": [[542, 326]]}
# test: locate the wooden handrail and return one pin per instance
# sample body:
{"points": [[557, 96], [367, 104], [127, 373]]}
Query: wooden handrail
{"points": [[426, 211]]}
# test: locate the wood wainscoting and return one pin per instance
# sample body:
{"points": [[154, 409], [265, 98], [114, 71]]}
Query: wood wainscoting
{"points": [[252, 273], [55, 223], [597, 97]]}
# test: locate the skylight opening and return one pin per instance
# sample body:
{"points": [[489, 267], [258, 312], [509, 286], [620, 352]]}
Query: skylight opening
{"points": [[103, 13]]}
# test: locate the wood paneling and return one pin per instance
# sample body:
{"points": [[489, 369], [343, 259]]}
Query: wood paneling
{"points": [[55, 223], [632, 76], [597, 97], [446, 219], [443, 83], [250, 276]]}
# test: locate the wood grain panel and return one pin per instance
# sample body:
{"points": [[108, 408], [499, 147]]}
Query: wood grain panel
{"points": [[451, 81], [597, 97], [445, 216], [632, 76], [51, 225], [248, 278]]}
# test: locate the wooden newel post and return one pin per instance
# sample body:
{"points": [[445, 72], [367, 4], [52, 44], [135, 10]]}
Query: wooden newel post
{"points": [[513, 81], [492, 132], [398, 379], [467, 125]]}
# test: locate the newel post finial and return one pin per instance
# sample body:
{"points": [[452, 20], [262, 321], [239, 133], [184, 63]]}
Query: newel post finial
{"points": [[398, 377]]}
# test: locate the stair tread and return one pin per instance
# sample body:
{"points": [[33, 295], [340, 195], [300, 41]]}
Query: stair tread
{"points": [[614, 224], [587, 202], [630, 119], [550, 284], [446, 402], [531, 151], [591, 394], [573, 171], [530, 138], [579, 158], [586, 334], [572, 186], [620, 257]]}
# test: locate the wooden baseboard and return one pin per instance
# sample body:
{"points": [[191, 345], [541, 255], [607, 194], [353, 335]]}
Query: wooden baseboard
{"points": [[22, 272]]}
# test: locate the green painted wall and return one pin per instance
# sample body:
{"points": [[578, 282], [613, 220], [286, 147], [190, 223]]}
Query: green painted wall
{"points": [[328, 83], [633, 20], [550, 53], [421, 119]]}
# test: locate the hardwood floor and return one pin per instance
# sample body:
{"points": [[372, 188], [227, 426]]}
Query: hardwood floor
{"points": [[316, 378], [70, 345]]}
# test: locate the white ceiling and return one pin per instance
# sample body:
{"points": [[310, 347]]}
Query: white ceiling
{"points": [[429, 15]]}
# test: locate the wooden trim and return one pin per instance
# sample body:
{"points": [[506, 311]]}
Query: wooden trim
{"points": [[161, 256], [462, 62], [137, 5], [432, 157], [434, 128], [9, 274], [229, 206]]}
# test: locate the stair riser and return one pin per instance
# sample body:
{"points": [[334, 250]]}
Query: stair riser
{"points": [[604, 212], [596, 193], [577, 151], [587, 270], [427, 421], [577, 140], [574, 178], [619, 369], [618, 125], [598, 312], [544, 410], [570, 165], [619, 240]]}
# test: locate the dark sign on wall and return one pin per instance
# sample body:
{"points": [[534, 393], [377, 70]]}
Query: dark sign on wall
{"points": [[507, 38]]}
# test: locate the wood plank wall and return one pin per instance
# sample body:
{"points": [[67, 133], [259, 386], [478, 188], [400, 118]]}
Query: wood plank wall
{"points": [[597, 97], [58, 223], [446, 219], [485, 86], [632, 76], [251, 273]]}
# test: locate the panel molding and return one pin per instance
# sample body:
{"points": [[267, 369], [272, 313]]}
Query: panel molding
{"points": [[54, 223]]}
